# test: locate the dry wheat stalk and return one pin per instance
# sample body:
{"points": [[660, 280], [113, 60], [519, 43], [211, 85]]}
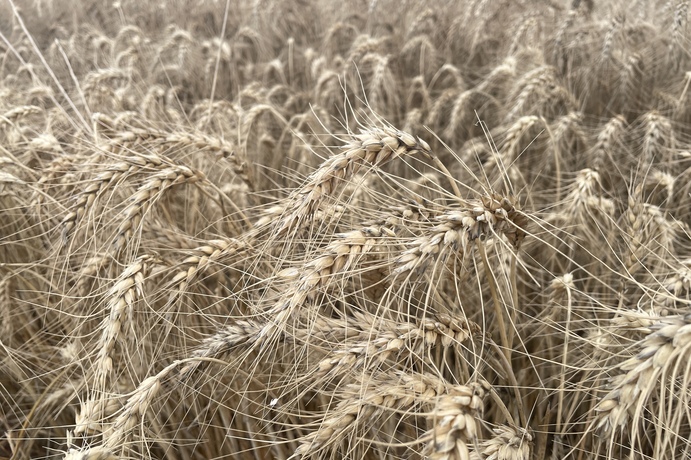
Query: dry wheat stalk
{"points": [[609, 141], [6, 328], [658, 138], [529, 92], [676, 288], [528, 23], [18, 113], [96, 80], [418, 96], [447, 77], [632, 74], [136, 407], [512, 146], [497, 81], [462, 110], [567, 138], [245, 333], [90, 271], [635, 221], [658, 187], [169, 235], [650, 236], [92, 414], [560, 35], [345, 342], [681, 110], [172, 141], [586, 205], [413, 120], [441, 108]]}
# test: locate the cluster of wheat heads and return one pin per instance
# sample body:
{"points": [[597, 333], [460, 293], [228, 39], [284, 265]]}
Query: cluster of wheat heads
{"points": [[367, 230]]}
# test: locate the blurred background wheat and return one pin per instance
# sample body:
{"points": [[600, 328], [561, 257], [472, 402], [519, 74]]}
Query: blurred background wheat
{"points": [[345, 230]]}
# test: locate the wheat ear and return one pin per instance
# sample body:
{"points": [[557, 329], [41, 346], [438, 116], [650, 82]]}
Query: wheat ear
{"points": [[664, 355], [373, 148], [456, 229], [149, 192], [453, 423], [379, 339], [508, 443]]}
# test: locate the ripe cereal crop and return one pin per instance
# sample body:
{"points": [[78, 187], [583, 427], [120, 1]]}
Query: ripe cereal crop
{"points": [[376, 229]]}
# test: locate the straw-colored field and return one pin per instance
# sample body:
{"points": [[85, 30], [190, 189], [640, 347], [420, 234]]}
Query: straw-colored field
{"points": [[345, 230]]}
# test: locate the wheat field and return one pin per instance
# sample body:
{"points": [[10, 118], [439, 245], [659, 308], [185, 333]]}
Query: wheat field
{"points": [[306, 229]]}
